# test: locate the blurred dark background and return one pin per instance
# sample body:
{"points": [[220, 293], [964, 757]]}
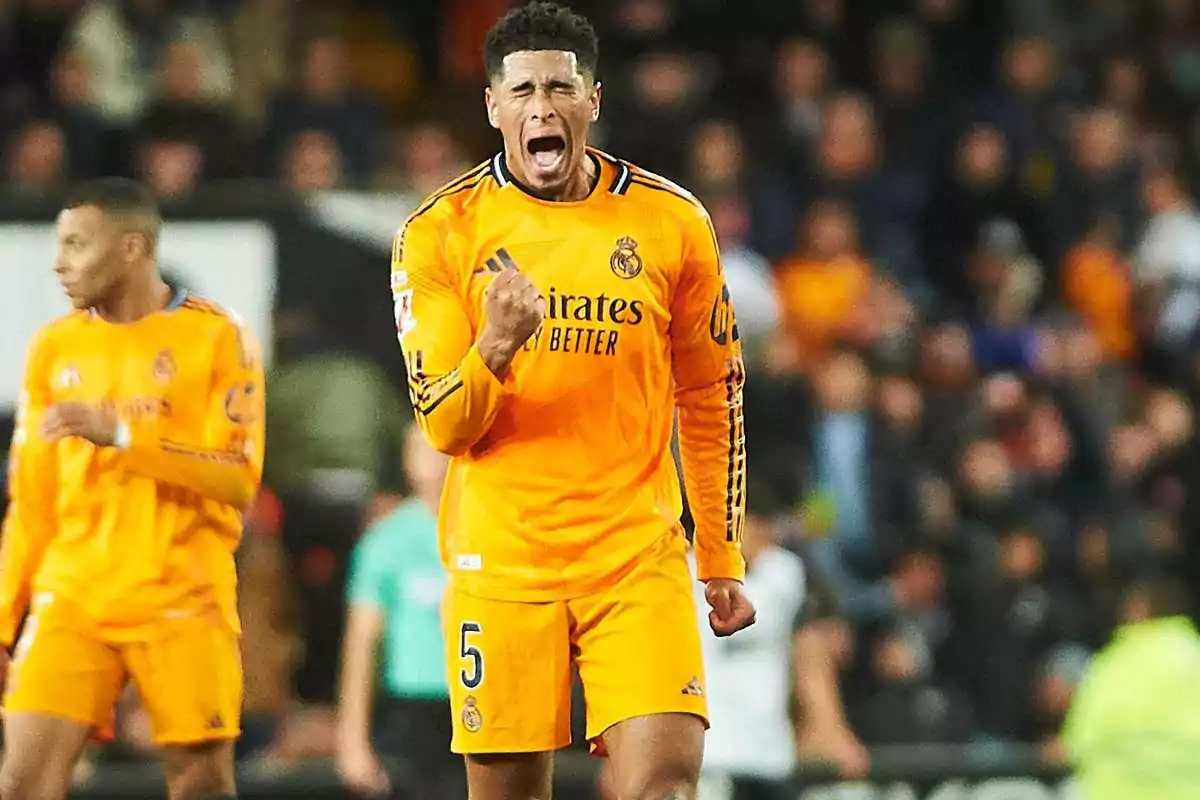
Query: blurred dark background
{"points": [[959, 234]]}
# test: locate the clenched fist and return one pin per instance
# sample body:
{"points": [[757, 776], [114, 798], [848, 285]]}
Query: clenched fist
{"points": [[514, 311], [731, 609]]}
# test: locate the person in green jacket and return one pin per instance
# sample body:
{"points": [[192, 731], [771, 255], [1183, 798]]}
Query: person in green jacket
{"points": [[1133, 730]]}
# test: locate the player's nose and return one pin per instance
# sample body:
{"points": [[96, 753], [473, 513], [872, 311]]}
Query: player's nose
{"points": [[541, 109]]}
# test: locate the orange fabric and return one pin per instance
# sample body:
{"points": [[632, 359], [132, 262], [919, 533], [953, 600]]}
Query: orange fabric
{"points": [[1096, 284], [819, 299], [563, 473], [636, 645], [133, 535], [188, 674]]}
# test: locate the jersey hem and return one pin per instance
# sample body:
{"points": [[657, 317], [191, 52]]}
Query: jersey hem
{"points": [[495, 588]]}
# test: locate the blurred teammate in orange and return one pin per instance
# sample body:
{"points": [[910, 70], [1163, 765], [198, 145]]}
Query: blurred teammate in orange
{"points": [[139, 441], [558, 309]]}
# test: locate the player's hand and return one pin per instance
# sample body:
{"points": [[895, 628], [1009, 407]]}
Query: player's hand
{"points": [[839, 747], [849, 756], [361, 772], [514, 310], [731, 609], [96, 424]]}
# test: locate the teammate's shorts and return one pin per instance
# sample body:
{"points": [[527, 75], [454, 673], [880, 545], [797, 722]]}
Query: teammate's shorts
{"points": [[636, 645], [188, 673]]}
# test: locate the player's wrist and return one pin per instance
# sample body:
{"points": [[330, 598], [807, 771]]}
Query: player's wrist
{"points": [[122, 435], [353, 736], [497, 351]]}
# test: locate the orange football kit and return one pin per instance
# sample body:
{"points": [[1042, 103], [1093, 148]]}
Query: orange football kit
{"points": [[123, 555], [560, 516]]}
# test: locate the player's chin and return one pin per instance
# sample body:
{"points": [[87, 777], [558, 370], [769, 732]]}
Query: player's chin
{"points": [[78, 301], [547, 179]]}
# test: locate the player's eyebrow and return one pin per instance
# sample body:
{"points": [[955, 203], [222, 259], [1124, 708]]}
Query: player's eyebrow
{"points": [[553, 84]]}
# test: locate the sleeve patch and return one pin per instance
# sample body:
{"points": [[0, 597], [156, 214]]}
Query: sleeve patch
{"points": [[240, 404], [721, 324], [405, 321]]}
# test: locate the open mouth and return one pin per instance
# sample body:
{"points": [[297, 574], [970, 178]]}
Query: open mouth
{"points": [[546, 151]]}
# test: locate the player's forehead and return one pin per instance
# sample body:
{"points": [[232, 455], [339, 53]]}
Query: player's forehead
{"points": [[85, 219], [539, 67]]}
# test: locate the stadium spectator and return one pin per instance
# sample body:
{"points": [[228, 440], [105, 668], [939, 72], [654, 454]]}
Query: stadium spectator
{"points": [[960, 237], [37, 161], [324, 100], [121, 41]]}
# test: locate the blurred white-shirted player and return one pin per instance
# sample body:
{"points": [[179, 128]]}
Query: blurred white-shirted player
{"points": [[750, 751]]}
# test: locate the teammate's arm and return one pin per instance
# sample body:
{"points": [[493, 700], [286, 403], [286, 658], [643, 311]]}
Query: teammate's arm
{"points": [[456, 382], [709, 375], [29, 523], [224, 460]]}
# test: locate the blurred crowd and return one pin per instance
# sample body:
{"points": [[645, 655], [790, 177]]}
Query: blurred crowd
{"points": [[959, 235]]}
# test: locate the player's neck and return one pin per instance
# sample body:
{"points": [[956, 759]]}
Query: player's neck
{"points": [[578, 187], [135, 300]]}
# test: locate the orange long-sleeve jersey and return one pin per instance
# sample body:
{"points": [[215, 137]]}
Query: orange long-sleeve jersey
{"points": [[134, 533], [562, 472]]}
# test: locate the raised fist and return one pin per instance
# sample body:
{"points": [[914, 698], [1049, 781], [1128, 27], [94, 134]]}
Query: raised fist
{"points": [[514, 309]]}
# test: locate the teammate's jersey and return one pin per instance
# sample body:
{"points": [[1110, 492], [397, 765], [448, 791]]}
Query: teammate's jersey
{"points": [[135, 534], [563, 472]]}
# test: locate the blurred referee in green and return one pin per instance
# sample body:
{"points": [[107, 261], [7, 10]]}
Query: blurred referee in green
{"points": [[1133, 731]]}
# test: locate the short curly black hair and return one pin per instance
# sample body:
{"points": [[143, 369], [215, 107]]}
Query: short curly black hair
{"points": [[541, 26]]}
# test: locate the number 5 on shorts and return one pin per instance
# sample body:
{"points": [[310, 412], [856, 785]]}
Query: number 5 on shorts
{"points": [[473, 676]]}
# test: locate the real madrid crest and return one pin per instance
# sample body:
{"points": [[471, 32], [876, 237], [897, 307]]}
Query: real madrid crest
{"points": [[472, 718], [164, 366], [69, 377], [625, 261]]}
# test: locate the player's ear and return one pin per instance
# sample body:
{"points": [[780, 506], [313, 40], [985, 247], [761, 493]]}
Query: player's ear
{"points": [[136, 246], [493, 111], [595, 99], [130, 246]]}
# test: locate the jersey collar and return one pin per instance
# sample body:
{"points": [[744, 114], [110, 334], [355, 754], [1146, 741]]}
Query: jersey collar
{"points": [[611, 171]]}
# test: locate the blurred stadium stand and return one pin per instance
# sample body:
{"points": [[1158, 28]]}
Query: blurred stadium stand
{"points": [[960, 235]]}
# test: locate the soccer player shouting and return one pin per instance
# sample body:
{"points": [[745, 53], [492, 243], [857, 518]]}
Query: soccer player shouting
{"points": [[139, 441], [556, 306]]}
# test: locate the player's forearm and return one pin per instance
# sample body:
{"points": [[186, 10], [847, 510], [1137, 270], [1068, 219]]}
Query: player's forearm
{"points": [[21, 551], [455, 410], [227, 476], [817, 688], [27, 528], [712, 449], [354, 707], [356, 688]]}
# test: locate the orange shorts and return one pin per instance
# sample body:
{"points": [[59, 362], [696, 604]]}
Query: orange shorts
{"points": [[636, 646], [188, 673]]}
